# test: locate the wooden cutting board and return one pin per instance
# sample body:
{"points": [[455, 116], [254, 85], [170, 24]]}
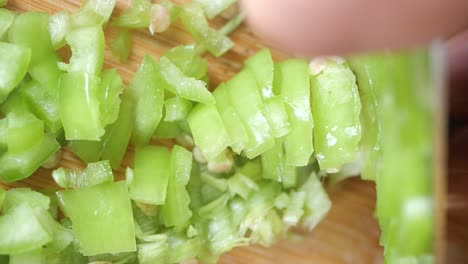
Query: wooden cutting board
{"points": [[349, 233]]}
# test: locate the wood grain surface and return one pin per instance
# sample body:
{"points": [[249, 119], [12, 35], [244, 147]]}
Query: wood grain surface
{"points": [[349, 233]]}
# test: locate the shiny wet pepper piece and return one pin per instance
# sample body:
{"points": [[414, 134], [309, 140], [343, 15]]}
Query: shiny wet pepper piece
{"points": [[93, 13], [59, 26], [261, 65], [336, 107], [31, 30], [101, 217], [292, 81], [151, 175], [137, 16], [79, 106], [11, 74], [208, 130], [6, 19], [25, 131], [148, 91]]}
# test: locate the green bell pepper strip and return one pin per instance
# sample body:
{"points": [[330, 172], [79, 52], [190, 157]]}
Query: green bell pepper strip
{"points": [[292, 81], [25, 132], [78, 103], [295, 209], [137, 16], [47, 73], [3, 136], [44, 105], [275, 167], [93, 13], [118, 134], [181, 85], [101, 216], [176, 211], [182, 248], [153, 251], [208, 130], [22, 230], [87, 45], [261, 65], [121, 45], [251, 112], [336, 107], [31, 30], [35, 256], [11, 74], [148, 90], [188, 60], [168, 130], [15, 167], [316, 204], [87, 150], [371, 72], [110, 88], [194, 20], [94, 174], [151, 175], [176, 109], [6, 19], [62, 237], [59, 26], [214, 8], [277, 115], [241, 185], [234, 126]]}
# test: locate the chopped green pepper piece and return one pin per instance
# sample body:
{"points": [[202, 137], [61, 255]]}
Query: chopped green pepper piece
{"points": [[15, 167], [277, 115], [177, 108], [18, 196], [122, 44], [149, 93], [6, 20], [151, 174], [11, 74], [182, 248], [208, 130], [87, 45], [95, 173], [194, 20], [176, 210], [79, 106], [186, 58], [137, 16], [31, 30], [22, 230], [251, 112], [336, 107], [101, 216], [93, 13], [213, 8], [24, 132], [110, 88], [154, 250], [2, 198], [3, 136], [35, 256], [3, 2], [241, 185], [87, 150], [316, 204], [275, 167], [59, 26], [182, 85], [261, 65], [292, 81]]}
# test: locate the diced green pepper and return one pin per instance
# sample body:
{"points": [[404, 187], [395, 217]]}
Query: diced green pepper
{"points": [[292, 81], [102, 218], [18, 196], [93, 13], [31, 30], [251, 112], [187, 59], [43, 104], [177, 108], [79, 106], [168, 130], [182, 85], [213, 8], [87, 45], [277, 115], [87, 150], [208, 130], [110, 88], [155, 250], [176, 210], [15, 167], [118, 134], [151, 174], [22, 230], [241, 185], [194, 20], [11, 74], [121, 45], [59, 26], [3, 136], [336, 107], [149, 93], [275, 167], [234, 126], [6, 19], [25, 132], [137, 16], [2, 198], [261, 65], [316, 204], [95, 173]]}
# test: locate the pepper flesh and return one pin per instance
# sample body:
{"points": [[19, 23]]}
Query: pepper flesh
{"points": [[11, 74]]}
